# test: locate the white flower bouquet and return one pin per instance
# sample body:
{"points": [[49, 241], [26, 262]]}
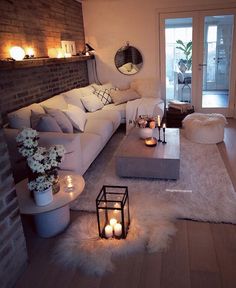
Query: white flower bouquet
{"points": [[42, 162]]}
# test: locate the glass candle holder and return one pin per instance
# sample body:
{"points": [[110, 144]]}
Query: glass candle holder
{"points": [[69, 185]]}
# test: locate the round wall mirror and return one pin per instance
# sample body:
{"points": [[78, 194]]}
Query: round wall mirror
{"points": [[128, 60]]}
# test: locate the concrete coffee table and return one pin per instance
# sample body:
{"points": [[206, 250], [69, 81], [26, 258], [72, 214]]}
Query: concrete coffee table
{"points": [[135, 159], [53, 218]]}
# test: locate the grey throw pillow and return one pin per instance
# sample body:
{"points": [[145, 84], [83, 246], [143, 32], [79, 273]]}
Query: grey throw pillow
{"points": [[44, 123], [61, 119]]}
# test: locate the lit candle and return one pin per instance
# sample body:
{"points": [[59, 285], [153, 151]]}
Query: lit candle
{"points": [[108, 231], [164, 126], [158, 120], [113, 222], [116, 206], [118, 229], [69, 183]]}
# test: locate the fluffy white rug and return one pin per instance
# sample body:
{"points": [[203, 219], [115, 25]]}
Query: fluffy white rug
{"points": [[203, 192]]}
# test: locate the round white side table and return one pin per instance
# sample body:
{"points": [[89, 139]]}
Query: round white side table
{"points": [[53, 218]]}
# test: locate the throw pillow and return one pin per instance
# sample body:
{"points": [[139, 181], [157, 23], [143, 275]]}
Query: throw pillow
{"points": [[77, 116], [104, 95], [44, 123], [61, 119], [122, 96], [92, 103]]}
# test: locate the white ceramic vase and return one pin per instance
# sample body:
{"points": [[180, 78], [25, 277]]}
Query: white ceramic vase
{"points": [[145, 133], [43, 198]]}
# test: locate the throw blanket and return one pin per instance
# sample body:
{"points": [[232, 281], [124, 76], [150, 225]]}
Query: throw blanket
{"points": [[143, 106]]}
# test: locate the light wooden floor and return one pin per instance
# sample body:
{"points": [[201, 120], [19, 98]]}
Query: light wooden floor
{"points": [[200, 255]]}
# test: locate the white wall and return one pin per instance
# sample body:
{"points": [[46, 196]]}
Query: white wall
{"points": [[110, 23]]}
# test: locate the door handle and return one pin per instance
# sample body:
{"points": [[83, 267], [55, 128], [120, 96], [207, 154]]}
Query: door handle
{"points": [[201, 65]]}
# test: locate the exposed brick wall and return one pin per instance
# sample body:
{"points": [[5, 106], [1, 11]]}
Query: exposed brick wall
{"points": [[20, 87], [40, 24], [13, 254]]}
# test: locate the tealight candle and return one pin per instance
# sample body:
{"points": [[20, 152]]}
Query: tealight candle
{"points": [[118, 229], [108, 231], [113, 222]]}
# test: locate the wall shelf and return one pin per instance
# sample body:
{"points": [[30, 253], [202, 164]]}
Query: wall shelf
{"points": [[37, 62]]}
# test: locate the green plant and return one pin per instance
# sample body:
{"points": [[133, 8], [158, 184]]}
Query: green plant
{"points": [[187, 50]]}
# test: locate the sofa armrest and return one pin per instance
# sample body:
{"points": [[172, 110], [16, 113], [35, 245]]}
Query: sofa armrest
{"points": [[71, 142]]}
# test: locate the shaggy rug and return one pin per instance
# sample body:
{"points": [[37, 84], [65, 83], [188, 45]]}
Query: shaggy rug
{"points": [[203, 192]]}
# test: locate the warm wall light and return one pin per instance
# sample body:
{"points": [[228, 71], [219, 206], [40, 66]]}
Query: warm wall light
{"points": [[17, 53]]}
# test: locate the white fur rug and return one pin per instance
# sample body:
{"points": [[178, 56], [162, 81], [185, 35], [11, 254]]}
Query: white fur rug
{"points": [[203, 192]]}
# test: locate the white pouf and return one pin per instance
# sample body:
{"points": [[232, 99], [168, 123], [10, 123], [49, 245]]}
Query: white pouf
{"points": [[204, 128]]}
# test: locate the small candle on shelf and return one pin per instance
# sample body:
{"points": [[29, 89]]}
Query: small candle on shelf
{"points": [[113, 222], [118, 229], [108, 231]]}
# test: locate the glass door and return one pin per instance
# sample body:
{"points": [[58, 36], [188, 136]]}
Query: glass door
{"points": [[178, 64], [197, 57], [215, 68]]}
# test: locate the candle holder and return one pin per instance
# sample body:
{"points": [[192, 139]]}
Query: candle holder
{"points": [[112, 205], [69, 183], [159, 134], [164, 136]]}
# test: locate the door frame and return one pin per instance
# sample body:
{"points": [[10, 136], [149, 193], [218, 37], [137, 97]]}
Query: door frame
{"points": [[196, 13]]}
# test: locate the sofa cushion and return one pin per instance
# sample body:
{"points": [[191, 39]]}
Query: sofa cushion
{"points": [[56, 102], [44, 123], [76, 116], [21, 118], [92, 103], [111, 115], [123, 96], [61, 119], [101, 127], [73, 96]]}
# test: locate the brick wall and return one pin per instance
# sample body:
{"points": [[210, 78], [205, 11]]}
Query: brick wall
{"points": [[40, 24], [13, 255], [20, 87]]}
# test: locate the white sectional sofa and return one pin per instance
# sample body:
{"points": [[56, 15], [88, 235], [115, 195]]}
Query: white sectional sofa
{"points": [[82, 147]]}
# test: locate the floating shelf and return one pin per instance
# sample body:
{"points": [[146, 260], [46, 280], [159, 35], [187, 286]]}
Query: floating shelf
{"points": [[37, 62]]}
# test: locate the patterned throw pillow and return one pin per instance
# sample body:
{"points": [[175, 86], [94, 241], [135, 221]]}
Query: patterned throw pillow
{"points": [[104, 95]]}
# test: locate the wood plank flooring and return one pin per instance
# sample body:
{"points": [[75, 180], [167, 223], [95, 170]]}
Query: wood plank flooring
{"points": [[200, 255]]}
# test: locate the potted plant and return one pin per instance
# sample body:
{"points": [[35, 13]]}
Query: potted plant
{"points": [[185, 64], [43, 164]]}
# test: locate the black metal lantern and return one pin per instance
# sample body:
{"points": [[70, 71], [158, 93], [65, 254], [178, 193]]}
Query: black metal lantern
{"points": [[113, 216]]}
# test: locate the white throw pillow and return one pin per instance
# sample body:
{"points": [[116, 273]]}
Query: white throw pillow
{"points": [[77, 116], [92, 103], [73, 96]]}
